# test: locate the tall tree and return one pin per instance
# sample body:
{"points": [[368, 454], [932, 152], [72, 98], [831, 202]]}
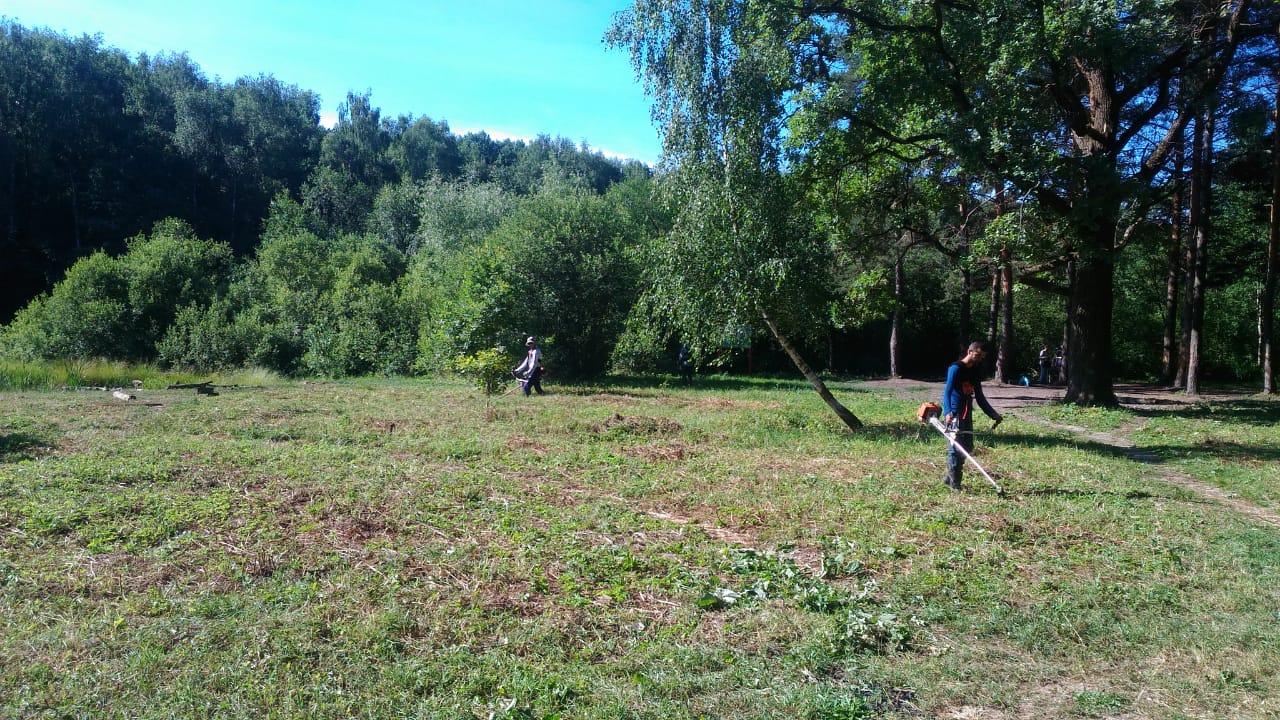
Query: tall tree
{"points": [[1267, 309], [999, 83], [1198, 243], [720, 74]]}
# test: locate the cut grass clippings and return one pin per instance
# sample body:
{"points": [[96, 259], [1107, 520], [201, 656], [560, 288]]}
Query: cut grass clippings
{"points": [[405, 549]]}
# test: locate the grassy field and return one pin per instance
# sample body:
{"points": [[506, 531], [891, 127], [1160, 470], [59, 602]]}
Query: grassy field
{"points": [[407, 549]]}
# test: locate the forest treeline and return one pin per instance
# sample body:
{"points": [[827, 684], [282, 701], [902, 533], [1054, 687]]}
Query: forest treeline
{"points": [[151, 214], [96, 147]]}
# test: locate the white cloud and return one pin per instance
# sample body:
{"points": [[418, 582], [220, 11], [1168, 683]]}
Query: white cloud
{"points": [[495, 134]]}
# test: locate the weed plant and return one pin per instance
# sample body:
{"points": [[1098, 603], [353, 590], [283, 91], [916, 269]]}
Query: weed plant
{"points": [[625, 550]]}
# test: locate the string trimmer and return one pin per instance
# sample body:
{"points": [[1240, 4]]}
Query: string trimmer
{"points": [[929, 413]]}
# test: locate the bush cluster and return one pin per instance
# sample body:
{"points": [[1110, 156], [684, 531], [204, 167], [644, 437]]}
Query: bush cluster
{"points": [[556, 264]]}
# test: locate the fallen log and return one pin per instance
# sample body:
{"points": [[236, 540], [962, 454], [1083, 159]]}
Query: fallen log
{"points": [[188, 386]]}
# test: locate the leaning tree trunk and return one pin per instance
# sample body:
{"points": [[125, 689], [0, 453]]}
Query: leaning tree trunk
{"points": [[841, 411], [966, 306]]}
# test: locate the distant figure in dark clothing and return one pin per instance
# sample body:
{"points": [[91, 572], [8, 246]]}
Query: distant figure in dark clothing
{"points": [[684, 363], [1045, 361]]}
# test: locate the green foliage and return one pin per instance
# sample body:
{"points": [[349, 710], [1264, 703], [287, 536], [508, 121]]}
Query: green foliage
{"points": [[458, 216], [361, 331], [121, 307], [171, 269], [557, 268], [740, 244], [305, 304], [210, 338], [468, 293], [570, 276], [488, 369], [1099, 703], [867, 297], [86, 315], [395, 216]]}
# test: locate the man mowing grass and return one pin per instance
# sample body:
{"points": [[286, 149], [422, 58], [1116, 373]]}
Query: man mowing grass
{"points": [[964, 385]]}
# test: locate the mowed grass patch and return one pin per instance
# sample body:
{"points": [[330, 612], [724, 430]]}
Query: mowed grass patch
{"points": [[405, 549], [1234, 445]]}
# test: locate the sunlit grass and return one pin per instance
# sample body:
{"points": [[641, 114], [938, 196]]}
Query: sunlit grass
{"points": [[74, 374], [626, 549]]}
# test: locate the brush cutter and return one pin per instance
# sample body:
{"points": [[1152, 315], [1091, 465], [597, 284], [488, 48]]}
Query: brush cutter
{"points": [[929, 413]]}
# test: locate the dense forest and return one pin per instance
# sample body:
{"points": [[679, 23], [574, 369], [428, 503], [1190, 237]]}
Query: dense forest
{"points": [[845, 187]]}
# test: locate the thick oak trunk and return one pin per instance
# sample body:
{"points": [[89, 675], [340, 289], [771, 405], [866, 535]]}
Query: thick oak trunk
{"points": [[1089, 306]]}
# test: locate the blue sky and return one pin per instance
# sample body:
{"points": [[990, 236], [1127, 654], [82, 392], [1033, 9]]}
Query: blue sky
{"points": [[511, 68]]}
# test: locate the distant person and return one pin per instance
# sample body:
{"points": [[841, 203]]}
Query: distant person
{"points": [[1046, 361], [529, 372], [964, 385], [1060, 365], [684, 363]]}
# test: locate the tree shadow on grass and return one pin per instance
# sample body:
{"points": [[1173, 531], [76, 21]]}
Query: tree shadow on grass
{"points": [[635, 384], [1230, 452], [1243, 412], [21, 446], [923, 434], [1070, 493]]}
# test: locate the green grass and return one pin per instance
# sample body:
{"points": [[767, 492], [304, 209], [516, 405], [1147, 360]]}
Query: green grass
{"points": [[624, 550], [70, 374], [1234, 445]]}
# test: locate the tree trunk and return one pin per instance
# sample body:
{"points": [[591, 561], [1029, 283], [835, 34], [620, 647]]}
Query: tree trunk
{"points": [[993, 310], [1188, 284], [1006, 365], [966, 307], [895, 323], [1201, 200], [1090, 303], [1268, 310], [1169, 355], [841, 411]]}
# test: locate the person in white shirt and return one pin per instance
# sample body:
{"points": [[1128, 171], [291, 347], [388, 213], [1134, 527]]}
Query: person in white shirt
{"points": [[530, 371]]}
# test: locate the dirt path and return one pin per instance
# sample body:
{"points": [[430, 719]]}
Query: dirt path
{"points": [[1014, 400]]}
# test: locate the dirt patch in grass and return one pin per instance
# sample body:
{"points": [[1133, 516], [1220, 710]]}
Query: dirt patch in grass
{"points": [[723, 403], [660, 452], [522, 443], [638, 425]]}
